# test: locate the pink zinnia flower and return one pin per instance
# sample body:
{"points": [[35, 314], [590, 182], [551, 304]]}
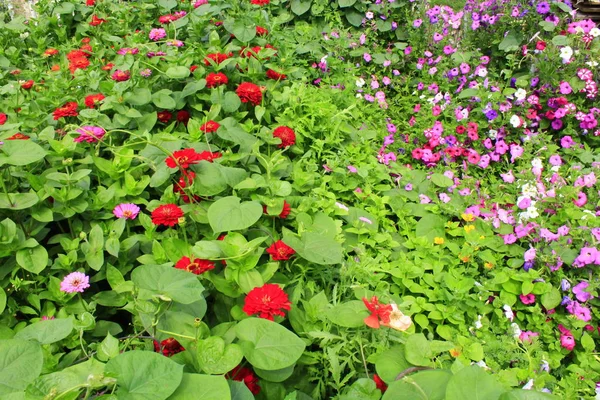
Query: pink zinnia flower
{"points": [[90, 134], [157, 34], [75, 282], [126, 210]]}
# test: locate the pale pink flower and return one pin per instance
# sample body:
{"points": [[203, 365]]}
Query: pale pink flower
{"points": [[126, 210], [157, 34], [75, 282]]}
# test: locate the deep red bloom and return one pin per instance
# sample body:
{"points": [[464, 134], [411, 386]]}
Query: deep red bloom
{"points": [[183, 116], [187, 178], [460, 129], [276, 76], [266, 301], [380, 313], [193, 68], [216, 57], [198, 266], [167, 214], [210, 126], [213, 80], [540, 45], [18, 136], [168, 347], [86, 48], [250, 51], [243, 374], [260, 31], [93, 99], [183, 158], [68, 110], [96, 21], [380, 383], [164, 116], [260, 2], [249, 92], [284, 212], [27, 85], [280, 251], [286, 134], [74, 54], [3, 118], [90, 3], [107, 67], [78, 63], [208, 156]]}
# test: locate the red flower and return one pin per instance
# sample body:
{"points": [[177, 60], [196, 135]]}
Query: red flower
{"points": [[380, 383], [183, 158], [208, 156], [218, 58], [193, 68], [120, 76], [284, 212], [91, 100], [3, 118], [18, 136], [50, 52], [286, 134], [249, 92], [260, 31], [168, 347], [107, 67], [167, 214], [78, 63], [74, 54], [27, 85], [187, 178], [90, 3], [260, 2], [68, 110], [266, 301], [210, 126], [96, 21], [198, 266], [183, 116], [243, 374], [378, 312], [86, 48], [276, 76], [164, 116], [540, 45], [213, 80], [280, 251], [250, 52]]}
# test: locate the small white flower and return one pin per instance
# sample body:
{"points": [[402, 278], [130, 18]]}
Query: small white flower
{"points": [[508, 313], [482, 72], [592, 64], [516, 330], [478, 324], [537, 163], [493, 134], [340, 205], [515, 121], [528, 385], [533, 212], [529, 190], [520, 94], [482, 364], [595, 32], [360, 82]]}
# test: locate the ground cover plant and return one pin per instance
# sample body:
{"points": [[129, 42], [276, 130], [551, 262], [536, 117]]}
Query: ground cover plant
{"points": [[299, 200]]}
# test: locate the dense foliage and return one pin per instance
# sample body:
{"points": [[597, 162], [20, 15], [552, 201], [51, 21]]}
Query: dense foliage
{"points": [[299, 199]]}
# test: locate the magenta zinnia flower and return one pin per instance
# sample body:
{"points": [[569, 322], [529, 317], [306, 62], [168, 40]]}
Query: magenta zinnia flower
{"points": [[90, 134], [157, 34], [126, 210], [75, 282]]}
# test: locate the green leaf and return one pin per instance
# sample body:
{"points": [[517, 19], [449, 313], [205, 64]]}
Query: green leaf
{"points": [[2, 300], [178, 72], [20, 364], [391, 363], [193, 87], [46, 332], [551, 299], [424, 385], [239, 391], [139, 97], [509, 43], [299, 7], [18, 201], [230, 102], [162, 100], [109, 348], [472, 92], [144, 375], [417, 350], [441, 180], [346, 3], [430, 226], [147, 122], [72, 380], [278, 375], [180, 286], [268, 345], [33, 260], [21, 152], [214, 357], [316, 247], [209, 179], [205, 387], [587, 342], [560, 40], [350, 314], [230, 214], [231, 130], [473, 383], [520, 394], [240, 30]]}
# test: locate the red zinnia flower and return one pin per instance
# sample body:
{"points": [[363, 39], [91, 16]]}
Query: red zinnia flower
{"points": [[164, 116], [286, 134], [74, 54], [96, 21], [198, 266], [68, 110], [210, 126], [168, 347], [260, 31], [90, 3], [107, 67], [213, 80], [243, 374], [275, 75], [193, 68], [280, 251], [250, 52], [378, 312], [87, 49], [208, 156], [91, 100], [18, 136], [50, 52], [167, 214], [183, 158], [187, 178], [284, 212], [266, 301], [249, 92], [3, 118], [260, 2], [379, 383], [78, 63], [216, 57], [27, 85], [183, 116]]}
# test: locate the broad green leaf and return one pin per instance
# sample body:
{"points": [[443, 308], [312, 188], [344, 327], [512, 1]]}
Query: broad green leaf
{"points": [[520, 394], [20, 364], [362, 389], [268, 345], [299, 7], [193, 87], [215, 357], [18, 201], [350, 314], [551, 299], [391, 363], [209, 180], [162, 100], [346, 3], [139, 97], [473, 383], [147, 122], [2, 300], [229, 214], [230, 102], [316, 247], [509, 43], [441, 180], [178, 72], [231, 130], [108, 348], [72, 379], [278, 375], [144, 375], [430, 226], [424, 385], [242, 31], [33, 260], [239, 391], [181, 286], [21, 152], [205, 387], [560, 40], [417, 350], [46, 332]]}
